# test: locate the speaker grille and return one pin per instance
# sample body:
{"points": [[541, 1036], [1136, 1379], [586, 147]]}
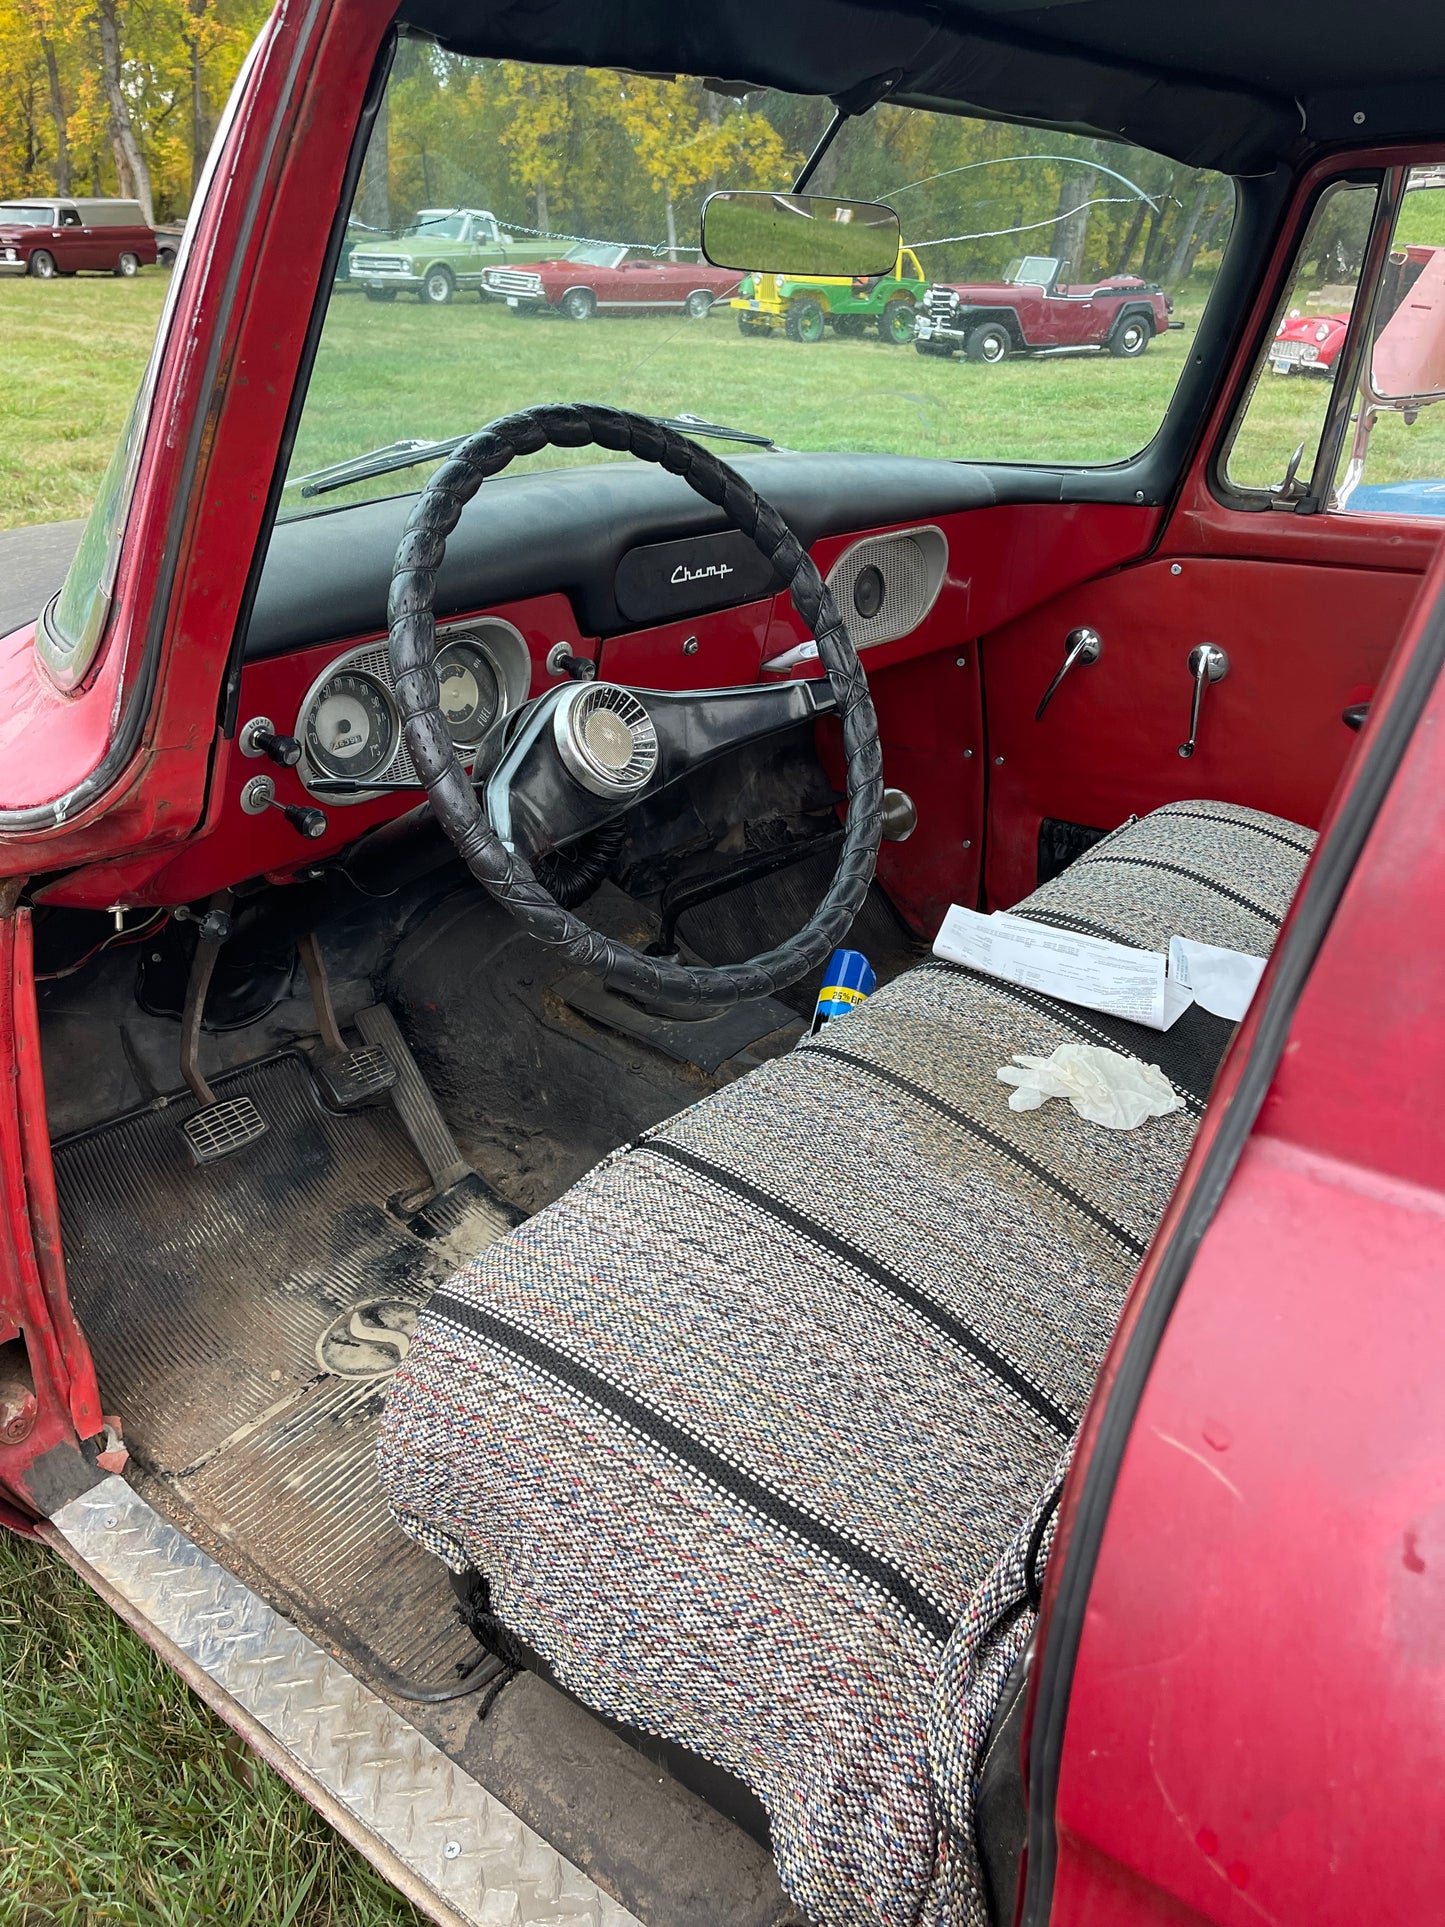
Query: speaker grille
{"points": [[911, 563]]}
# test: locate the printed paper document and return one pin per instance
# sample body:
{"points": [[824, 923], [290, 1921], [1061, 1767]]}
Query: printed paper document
{"points": [[1080, 970]]}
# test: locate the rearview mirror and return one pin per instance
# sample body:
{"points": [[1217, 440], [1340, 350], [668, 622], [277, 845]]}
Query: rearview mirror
{"points": [[799, 234]]}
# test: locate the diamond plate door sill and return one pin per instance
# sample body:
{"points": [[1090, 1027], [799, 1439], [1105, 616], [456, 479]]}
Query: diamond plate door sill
{"points": [[452, 1848]]}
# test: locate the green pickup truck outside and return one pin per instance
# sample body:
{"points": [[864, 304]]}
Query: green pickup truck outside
{"points": [[441, 250]]}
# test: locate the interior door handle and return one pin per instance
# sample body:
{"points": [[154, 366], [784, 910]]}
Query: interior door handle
{"points": [[1080, 645], [1207, 663]]}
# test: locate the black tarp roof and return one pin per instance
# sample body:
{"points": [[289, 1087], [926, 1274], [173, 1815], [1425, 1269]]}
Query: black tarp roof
{"points": [[1234, 84]]}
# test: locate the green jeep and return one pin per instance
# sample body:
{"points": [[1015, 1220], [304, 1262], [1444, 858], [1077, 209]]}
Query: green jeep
{"points": [[804, 308], [441, 250]]}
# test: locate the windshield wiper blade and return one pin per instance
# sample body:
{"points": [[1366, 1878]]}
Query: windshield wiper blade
{"points": [[715, 431], [411, 453], [377, 461]]}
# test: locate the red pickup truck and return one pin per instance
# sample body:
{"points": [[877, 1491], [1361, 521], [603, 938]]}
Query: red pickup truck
{"points": [[46, 237], [1032, 309]]}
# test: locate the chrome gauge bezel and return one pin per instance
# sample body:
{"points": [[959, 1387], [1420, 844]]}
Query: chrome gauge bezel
{"points": [[502, 646], [391, 724], [468, 745]]}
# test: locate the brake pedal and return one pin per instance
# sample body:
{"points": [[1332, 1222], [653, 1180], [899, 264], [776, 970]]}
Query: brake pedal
{"points": [[221, 1125], [348, 1078], [351, 1078]]}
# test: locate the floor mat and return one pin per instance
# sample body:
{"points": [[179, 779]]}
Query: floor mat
{"points": [[244, 1317]]}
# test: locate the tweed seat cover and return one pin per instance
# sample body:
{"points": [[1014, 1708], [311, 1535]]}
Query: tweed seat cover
{"points": [[748, 1432]]}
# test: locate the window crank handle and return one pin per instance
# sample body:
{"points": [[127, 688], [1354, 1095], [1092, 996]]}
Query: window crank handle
{"points": [[1207, 663], [1080, 645]]}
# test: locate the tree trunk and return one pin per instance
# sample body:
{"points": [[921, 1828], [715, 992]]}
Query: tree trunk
{"points": [[124, 179], [1153, 240], [671, 227], [1071, 224], [200, 120], [543, 220], [1131, 239], [63, 183], [122, 130], [1181, 259], [374, 200], [1208, 232]]}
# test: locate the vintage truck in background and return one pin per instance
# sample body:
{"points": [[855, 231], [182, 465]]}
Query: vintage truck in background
{"points": [[441, 250]]}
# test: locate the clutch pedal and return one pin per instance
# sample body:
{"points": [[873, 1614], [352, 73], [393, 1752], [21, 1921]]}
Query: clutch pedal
{"points": [[348, 1078], [221, 1125]]}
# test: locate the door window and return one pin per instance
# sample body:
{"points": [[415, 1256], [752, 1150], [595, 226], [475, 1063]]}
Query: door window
{"points": [[69, 217], [1393, 458], [1277, 435]]}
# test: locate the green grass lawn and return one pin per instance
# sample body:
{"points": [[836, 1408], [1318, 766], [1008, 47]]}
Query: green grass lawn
{"points": [[71, 354], [122, 1799], [73, 351]]}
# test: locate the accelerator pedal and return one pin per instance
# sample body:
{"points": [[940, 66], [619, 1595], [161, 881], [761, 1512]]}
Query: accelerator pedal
{"points": [[222, 1125], [415, 1105], [349, 1079]]}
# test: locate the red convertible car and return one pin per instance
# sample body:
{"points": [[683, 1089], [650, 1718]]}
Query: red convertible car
{"points": [[1033, 309], [627, 1454], [595, 277]]}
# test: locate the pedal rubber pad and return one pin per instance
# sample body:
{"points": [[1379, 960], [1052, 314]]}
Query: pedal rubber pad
{"points": [[350, 1078], [216, 1130]]}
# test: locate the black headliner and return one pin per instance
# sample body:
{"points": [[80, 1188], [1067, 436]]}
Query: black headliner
{"points": [[1235, 84]]}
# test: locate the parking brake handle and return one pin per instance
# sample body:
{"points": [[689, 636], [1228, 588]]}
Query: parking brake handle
{"points": [[1207, 663]]}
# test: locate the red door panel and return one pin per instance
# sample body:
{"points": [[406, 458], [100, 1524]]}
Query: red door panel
{"points": [[1256, 1728], [1302, 641]]}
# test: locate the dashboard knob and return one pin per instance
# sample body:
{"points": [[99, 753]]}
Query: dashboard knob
{"points": [[304, 817], [260, 737], [260, 795]]}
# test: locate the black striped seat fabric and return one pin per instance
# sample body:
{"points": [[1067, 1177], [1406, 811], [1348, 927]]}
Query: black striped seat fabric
{"points": [[749, 1433]]}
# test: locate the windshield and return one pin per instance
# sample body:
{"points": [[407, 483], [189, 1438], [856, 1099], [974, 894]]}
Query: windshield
{"points": [[1031, 271], [13, 216], [437, 227], [596, 253], [604, 174]]}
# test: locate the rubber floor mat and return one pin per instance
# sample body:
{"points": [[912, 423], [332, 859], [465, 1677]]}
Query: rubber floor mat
{"points": [[244, 1318]]}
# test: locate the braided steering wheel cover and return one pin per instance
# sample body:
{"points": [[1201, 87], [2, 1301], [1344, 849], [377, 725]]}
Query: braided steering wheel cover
{"points": [[458, 808]]}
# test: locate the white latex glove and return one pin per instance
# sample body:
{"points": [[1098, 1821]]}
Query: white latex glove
{"points": [[1103, 1086]]}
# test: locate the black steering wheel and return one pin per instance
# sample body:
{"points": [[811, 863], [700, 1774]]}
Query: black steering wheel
{"points": [[593, 749]]}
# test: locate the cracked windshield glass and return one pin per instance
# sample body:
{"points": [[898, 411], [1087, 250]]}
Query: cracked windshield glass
{"points": [[531, 234]]}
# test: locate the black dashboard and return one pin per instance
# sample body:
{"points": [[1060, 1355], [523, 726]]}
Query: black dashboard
{"points": [[585, 532]]}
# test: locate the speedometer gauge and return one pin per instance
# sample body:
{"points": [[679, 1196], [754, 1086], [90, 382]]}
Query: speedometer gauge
{"points": [[351, 728], [471, 693]]}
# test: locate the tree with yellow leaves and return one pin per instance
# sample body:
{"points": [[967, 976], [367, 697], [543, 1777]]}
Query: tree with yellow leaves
{"points": [[686, 137]]}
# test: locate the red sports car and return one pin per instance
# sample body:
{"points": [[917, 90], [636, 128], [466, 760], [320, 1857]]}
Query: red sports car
{"points": [[595, 275], [1307, 344]]}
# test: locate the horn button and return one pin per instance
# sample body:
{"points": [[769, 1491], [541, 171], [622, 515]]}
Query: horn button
{"points": [[606, 739], [609, 739]]}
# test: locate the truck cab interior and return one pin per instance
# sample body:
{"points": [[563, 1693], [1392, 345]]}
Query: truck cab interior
{"points": [[481, 732]]}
